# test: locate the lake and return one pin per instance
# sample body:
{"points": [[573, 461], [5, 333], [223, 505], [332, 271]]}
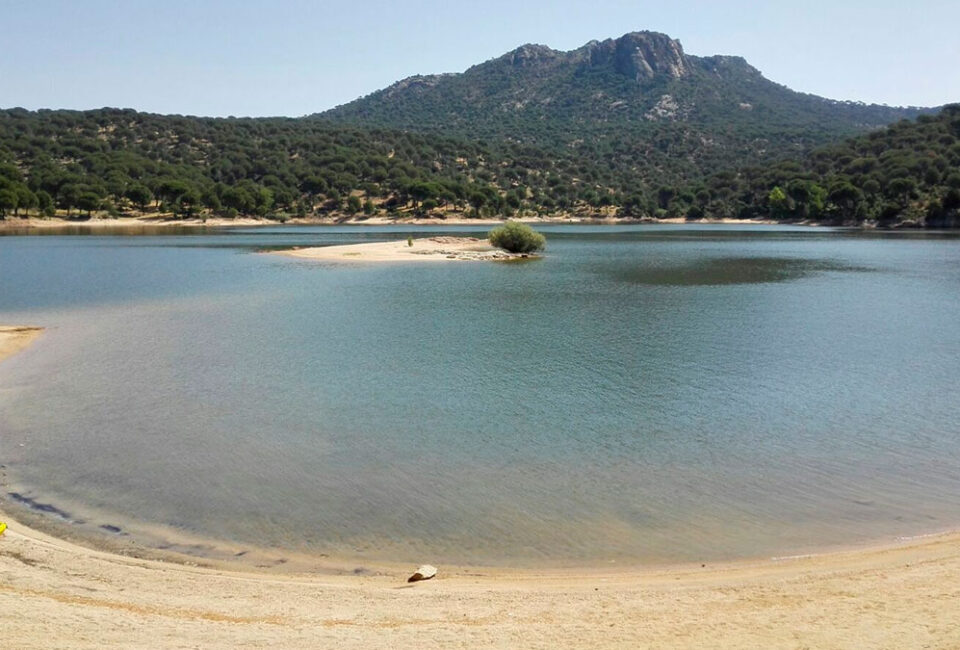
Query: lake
{"points": [[644, 394]]}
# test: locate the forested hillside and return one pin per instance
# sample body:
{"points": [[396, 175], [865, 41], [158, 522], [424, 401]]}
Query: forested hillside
{"points": [[631, 127], [637, 110], [120, 160], [908, 173]]}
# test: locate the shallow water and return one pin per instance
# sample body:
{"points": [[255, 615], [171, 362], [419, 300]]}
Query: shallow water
{"points": [[650, 393]]}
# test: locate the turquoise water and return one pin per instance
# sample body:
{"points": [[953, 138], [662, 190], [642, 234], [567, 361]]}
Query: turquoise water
{"points": [[648, 394]]}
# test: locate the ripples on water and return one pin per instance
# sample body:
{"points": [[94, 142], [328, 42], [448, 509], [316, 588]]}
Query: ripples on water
{"points": [[642, 394]]}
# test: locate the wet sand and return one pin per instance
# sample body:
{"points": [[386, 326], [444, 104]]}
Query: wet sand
{"points": [[56, 594]]}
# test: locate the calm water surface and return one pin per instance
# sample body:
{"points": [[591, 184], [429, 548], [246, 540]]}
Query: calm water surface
{"points": [[651, 393]]}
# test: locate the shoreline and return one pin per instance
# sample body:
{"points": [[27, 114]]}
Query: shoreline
{"points": [[56, 592], [53, 223]]}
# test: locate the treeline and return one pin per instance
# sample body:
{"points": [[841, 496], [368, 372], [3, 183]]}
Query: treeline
{"points": [[115, 161], [908, 173]]}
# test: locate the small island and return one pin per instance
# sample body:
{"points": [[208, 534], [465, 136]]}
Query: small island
{"points": [[511, 241], [416, 250]]}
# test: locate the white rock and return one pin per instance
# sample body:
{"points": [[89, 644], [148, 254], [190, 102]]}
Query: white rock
{"points": [[425, 572]]}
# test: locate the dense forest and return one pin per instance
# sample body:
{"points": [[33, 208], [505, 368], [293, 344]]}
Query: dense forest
{"points": [[908, 174], [630, 127], [121, 160]]}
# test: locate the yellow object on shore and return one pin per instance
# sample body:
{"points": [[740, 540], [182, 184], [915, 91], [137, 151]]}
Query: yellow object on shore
{"points": [[3, 527]]}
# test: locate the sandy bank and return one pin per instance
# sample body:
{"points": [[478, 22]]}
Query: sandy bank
{"points": [[124, 223], [14, 338], [54, 593], [434, 249]]}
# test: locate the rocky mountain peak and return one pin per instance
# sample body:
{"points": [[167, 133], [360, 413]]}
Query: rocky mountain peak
{"points": [[641, 55], [531, 54]]}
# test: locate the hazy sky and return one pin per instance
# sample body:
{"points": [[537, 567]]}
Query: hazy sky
{"points": [[294, 57]]}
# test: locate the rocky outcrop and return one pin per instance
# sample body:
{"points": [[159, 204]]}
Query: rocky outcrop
{"points": [[642, 55], [639, 55], [533, 55], [417, 83]]}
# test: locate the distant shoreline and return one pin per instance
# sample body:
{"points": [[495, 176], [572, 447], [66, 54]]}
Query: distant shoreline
{"points": [[13, 223]]}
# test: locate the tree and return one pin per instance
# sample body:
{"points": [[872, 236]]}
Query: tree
{"points": [[517, 237], [848, 201], [8, 201], [264, 201], [901, 190], [140, 195], [70, 196], [25, 198], [210, 199], [45, 203], [633, 205], [314, 185], [420, 191], [10, 172], [477, 200], [354, 204], [808, 198], [238, 199], [188, 203], [88, 201], [665, 196], [169, 190], [778, 202], [333, 200]]}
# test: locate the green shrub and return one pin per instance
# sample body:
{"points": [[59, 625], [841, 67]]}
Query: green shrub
{"points": [[517, 237]]}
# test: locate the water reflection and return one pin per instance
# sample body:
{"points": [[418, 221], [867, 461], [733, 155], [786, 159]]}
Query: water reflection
{"points": [[728, 270]]}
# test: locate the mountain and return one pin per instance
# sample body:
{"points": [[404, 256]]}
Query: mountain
{"points": [[632, 126], [637, 104]]}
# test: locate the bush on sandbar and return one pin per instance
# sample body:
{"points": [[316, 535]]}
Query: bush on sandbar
{"points": [[517, 237]]}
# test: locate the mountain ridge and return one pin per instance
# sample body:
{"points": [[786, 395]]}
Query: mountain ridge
{"points": [[636, 106], [645, 57]]}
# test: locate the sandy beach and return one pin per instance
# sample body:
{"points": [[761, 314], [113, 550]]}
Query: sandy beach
{"points": [[434, 249], [56, 594]]}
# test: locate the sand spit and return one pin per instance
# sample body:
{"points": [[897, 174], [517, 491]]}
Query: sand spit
{"points": [[14, 338], [439, 249], [56, 594]]}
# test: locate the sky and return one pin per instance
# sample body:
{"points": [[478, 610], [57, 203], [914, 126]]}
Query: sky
{"points": [[294, 57]]}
